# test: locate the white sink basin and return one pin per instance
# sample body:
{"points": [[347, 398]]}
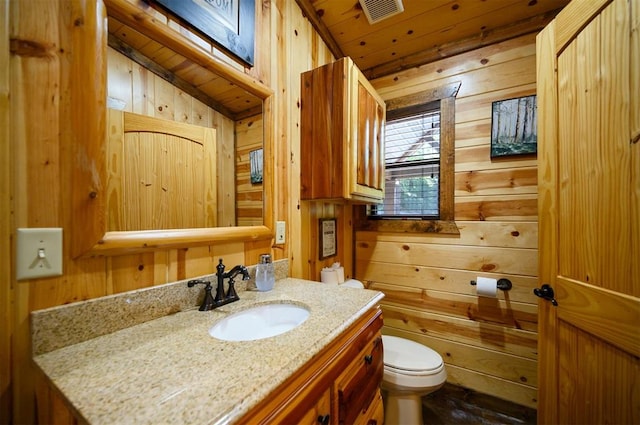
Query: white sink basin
{"points": [[259, 322]]}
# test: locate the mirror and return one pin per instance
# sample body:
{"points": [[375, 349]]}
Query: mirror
{"points": [[89, 200]]}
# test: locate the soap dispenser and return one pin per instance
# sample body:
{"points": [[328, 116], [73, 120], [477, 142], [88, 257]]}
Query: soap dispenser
{"points": [[265, 273]]}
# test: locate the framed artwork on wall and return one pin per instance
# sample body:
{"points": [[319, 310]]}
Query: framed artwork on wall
{"points": [[328, 238], [255, 162], [513, 127], [230, 24]]}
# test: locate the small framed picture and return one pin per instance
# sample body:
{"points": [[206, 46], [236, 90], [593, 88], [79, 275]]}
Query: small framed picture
{"points": [[255, 160], [328, 238], [513, 127]]}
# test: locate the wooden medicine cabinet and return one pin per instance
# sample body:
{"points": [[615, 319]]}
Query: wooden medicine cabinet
{"points": [[342, 136]]}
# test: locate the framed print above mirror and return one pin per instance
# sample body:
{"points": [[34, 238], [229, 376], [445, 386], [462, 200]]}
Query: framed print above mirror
{"points": [[230, 23]]}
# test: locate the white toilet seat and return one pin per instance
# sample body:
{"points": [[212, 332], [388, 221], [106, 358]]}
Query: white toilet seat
{"points": [[409, 357], [414, 372], [410, 366]]}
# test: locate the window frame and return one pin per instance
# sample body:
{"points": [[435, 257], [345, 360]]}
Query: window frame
{"points": [[399, 114], [413, 104]]}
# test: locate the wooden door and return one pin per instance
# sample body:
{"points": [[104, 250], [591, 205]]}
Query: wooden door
{"points": [[589, 211], [162, 174]]}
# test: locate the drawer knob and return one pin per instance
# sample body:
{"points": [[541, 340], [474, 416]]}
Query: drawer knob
{"points": [[368, 359]]}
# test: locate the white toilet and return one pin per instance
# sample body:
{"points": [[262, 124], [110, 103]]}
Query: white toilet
{"points": [[411, 370]]}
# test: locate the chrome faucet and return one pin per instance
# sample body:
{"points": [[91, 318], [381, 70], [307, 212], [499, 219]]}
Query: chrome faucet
{"points": [[209, 303]]}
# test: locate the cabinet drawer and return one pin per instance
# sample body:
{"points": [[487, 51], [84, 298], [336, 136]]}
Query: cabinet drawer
{"points": [[360, 382]]}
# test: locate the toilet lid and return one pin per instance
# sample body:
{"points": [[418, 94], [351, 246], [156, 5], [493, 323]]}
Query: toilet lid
{"points": [[404, 354]]}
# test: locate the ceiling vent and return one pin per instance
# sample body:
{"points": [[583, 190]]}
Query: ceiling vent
{"points": [[377, 10]]}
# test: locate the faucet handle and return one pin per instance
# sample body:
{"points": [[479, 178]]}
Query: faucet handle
{"points": [[232, 295], [220, 268], [245, 273], [195, 282], [207, 303]]}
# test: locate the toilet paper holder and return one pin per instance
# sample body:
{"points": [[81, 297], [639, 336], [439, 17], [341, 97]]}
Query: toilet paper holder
{"points": [[503, 284]]}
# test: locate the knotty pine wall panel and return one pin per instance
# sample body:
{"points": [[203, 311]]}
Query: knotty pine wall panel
{"points": [[492, 182], [302, 217], [489, 345], [480, 258], [471, 69], [6, 246], [511, 314], [248, 205]]}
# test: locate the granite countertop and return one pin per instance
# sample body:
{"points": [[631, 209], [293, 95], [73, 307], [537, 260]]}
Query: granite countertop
{"points": [[169, 370]]}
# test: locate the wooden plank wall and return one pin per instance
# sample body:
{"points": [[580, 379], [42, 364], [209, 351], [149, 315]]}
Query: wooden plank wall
{"points": [[248, 205], [489, 345], [301, 247], [6, 293]]}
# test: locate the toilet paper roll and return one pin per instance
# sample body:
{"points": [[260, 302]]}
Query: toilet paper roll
{"points": [[329, 276], [486, 287], [340, 270]]}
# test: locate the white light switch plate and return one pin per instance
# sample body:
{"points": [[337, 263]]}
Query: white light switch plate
{"points": [[39, 253], [280, 232]]}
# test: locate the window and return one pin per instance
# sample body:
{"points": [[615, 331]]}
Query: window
{"points": [[419, 162], [412, 164]]}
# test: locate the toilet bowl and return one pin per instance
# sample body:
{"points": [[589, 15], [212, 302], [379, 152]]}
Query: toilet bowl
{"points": [[411, 370], [352, 283]]}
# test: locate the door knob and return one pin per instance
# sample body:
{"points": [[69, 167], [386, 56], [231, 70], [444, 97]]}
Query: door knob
{"points": [[546, 292], [324, 419]]}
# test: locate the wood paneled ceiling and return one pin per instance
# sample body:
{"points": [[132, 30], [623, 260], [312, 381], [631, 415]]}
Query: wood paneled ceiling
{"points": [[426, 31], [201, 83]]}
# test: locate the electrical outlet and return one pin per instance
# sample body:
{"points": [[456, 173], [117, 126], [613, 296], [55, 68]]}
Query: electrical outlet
{"points": [[280, 232], [39, 253]]}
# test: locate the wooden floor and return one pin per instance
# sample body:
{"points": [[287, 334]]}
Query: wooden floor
{"points": [[455, 405]]}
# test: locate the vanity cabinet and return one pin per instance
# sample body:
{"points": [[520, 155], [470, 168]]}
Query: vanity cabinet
{"points": [[342, 135], [338, 386], [327, 371], [341, 385]]}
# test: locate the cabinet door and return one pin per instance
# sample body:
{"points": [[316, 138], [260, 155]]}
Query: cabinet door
{"points": [[366, 179], [374, 414], [320, 414], [359, 384]]}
